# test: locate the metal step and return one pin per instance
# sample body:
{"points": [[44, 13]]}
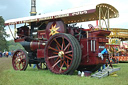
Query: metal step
{"points": [[105, 72]]}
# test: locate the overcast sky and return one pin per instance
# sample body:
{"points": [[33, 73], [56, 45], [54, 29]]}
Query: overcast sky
{"points": [[11, 9]]}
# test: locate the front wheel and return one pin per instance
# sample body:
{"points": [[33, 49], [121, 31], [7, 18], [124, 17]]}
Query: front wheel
{"points": [[20, 60], [62, 53]]}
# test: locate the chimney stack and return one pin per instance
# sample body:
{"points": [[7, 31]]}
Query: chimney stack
{"points": [[33, 8]]}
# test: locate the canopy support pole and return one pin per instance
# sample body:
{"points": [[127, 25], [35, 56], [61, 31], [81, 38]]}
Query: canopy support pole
{"points": [[108, 19], [11, 31], [15, 30], [100, 17], [87, 48]]}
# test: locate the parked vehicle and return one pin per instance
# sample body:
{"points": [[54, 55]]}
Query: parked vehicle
{"points": [[55, 40]]}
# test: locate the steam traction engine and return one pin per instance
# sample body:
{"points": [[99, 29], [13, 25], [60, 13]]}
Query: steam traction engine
{"points": [[56, 41]]}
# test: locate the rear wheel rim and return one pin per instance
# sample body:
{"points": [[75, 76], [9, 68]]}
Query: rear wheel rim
{"points": [[59, 54]]}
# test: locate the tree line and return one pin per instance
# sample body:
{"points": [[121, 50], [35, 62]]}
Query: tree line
{"points": [[4, 44]]}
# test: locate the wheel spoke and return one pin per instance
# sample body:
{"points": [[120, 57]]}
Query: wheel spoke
{"points": [[66, 46], [53, 48], [23, 58], [16, 65], [15, 62], [53, 57], [60, 62], [68, 52], [68, 57], [66, 64], [22, 53], [22, 64], [55, 64], [57, 43], [61, 66], [63, 44], [19, 67], [18, 55], [57, 59], [55, 53], [58, 47]]}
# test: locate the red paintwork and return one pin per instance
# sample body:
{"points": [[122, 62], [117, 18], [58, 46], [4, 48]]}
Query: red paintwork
{"points": [[19, 40], [58, 23], [34, 45], [40, 53], [41, 33], [86, 29], [92, 58], [111, 45], [99, 33], [103, 40]]}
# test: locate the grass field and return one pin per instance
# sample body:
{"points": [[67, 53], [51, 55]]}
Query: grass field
{"points": [[45, 77]]}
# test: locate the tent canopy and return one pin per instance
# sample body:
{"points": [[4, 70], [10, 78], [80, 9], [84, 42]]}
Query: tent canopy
{"points": [[75, 15]]}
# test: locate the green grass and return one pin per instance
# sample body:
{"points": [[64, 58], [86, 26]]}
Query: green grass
{"points": [[45, 77]]}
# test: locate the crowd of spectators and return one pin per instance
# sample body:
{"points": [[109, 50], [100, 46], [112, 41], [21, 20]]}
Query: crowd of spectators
{"points": [[6, 54]]}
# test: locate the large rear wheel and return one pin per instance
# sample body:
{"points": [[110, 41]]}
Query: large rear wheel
{"points": [[62, 53]]}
